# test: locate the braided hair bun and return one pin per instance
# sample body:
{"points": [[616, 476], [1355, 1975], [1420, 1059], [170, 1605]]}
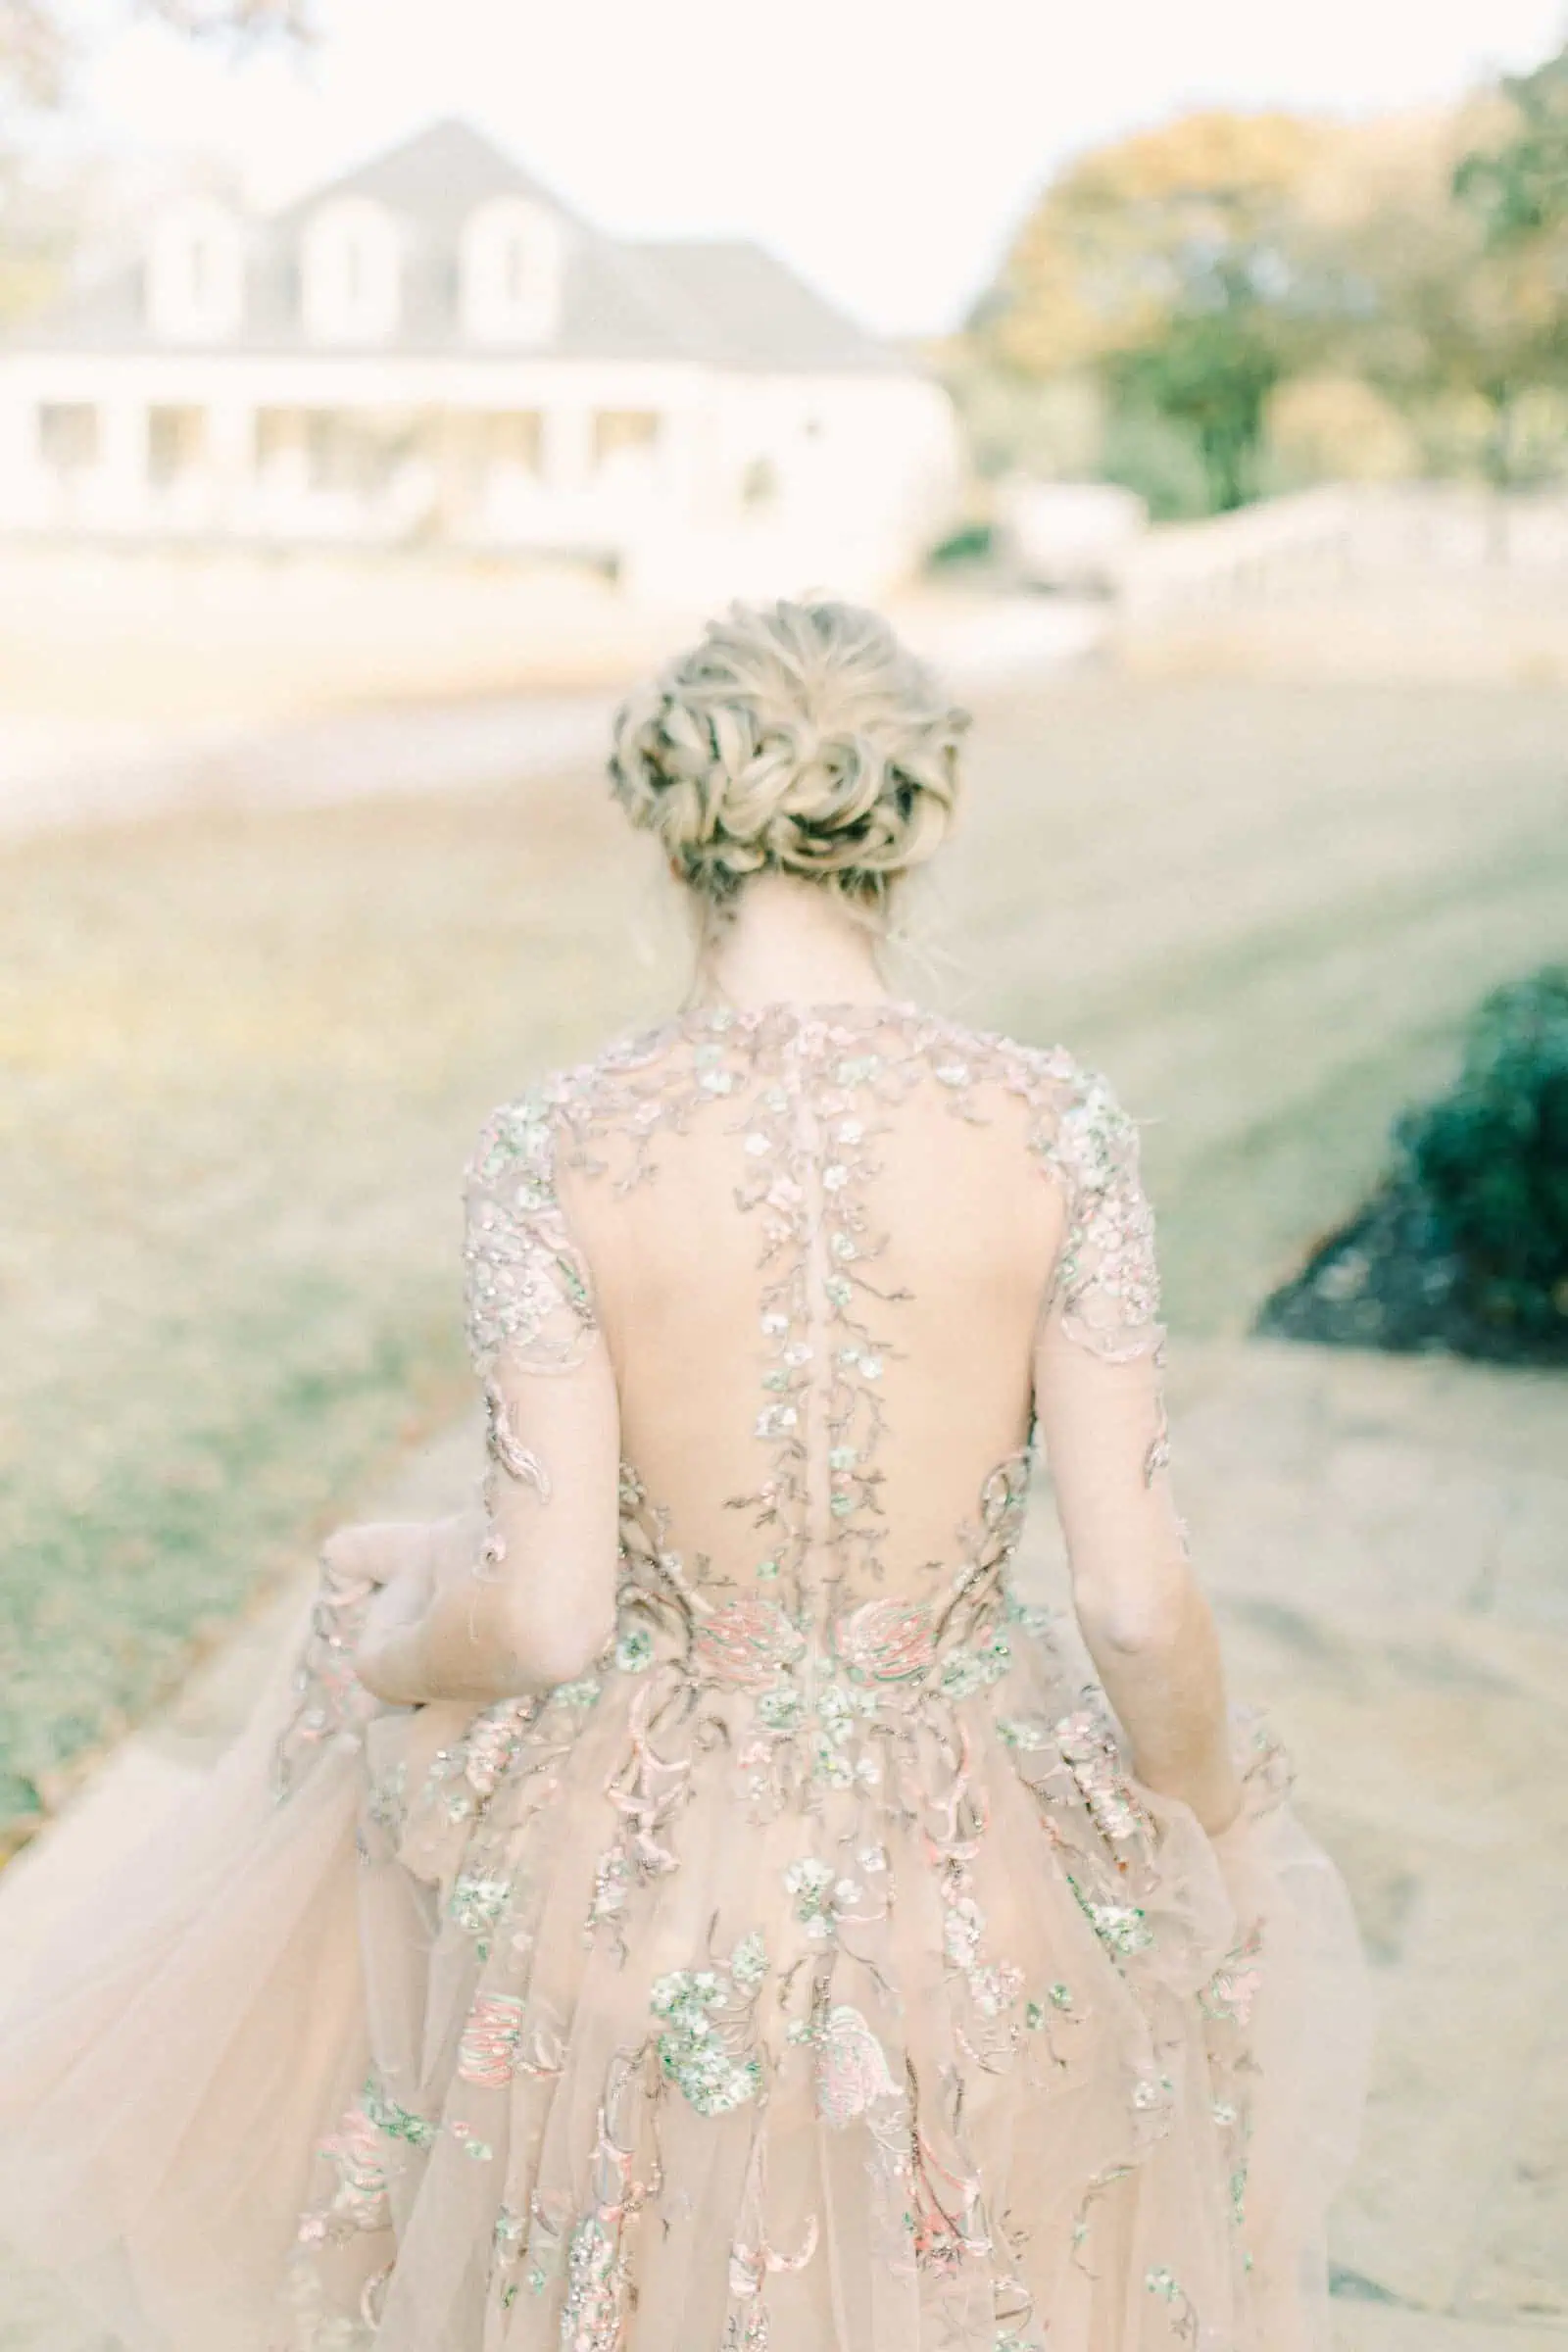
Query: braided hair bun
{"points": [[799, 739]]}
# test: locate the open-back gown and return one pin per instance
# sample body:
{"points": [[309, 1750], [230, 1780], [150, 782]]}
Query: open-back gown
{"points": [[813, 1972]]}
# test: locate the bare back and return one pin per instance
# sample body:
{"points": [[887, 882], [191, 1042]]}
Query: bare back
{"points": [[824, 1252]]}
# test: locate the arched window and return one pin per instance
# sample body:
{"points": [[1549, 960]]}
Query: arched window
{"points": [[351, 270], [510, 284], [196, 274]]}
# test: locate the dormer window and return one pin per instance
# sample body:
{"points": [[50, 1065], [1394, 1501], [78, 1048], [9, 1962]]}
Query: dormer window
{"points": [[351, 272], [510, 273], [196, 275]]}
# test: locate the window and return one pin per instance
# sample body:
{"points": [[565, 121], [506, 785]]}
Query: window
{"points": [[622, 432], [352, 452], [68, 437], [196, 274], [351, 266], [279, 437], [511, 272], [513, 439], [177, 444]]}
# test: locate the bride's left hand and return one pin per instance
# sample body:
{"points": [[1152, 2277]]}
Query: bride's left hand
{"points": [[389, 1641], [400, 1560]]}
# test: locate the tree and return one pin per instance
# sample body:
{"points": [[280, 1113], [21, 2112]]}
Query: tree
{"points": [[40, 214], [1163, 264], [1514, 311], [1519, 186], [1397, 279], [37, 42]]}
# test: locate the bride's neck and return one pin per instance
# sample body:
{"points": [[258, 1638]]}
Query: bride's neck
{"points": [[790, 939]]}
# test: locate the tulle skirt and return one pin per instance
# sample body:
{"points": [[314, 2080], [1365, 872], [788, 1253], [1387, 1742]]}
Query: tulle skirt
{"points": [[668, 2013]]}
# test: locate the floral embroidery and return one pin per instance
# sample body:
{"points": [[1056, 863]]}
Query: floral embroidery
{"points": [[477, 1902], [506, 2242], [386, 1804], [1184, 2324], [852, 2070], [1233, 1988], [886, 1640], [748, 2329], [331, 1705], [593, 2315], [469, 1772], [970, 1670], [527, 1288], [1107, 1284], [1090, 1750], [821, 1896], [1121, 1927], [874, 1716], [356, 2154], [747, 1642], [585, 1691], [634, 1650], [707, 2014], [487, 2052], [359, 2199], [395, 2120], [596, 2287]]}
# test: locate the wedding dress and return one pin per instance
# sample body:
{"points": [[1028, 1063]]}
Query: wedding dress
{"points": [[814, 1973]]}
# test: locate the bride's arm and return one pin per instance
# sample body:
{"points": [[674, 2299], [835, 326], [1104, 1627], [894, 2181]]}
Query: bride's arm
{"points": [[1143, 1614], [1145, 1620], [536, 1604], [533, 1604]]}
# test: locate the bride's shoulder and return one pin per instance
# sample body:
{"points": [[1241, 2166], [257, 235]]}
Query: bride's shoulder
{"points": [[574, 1094], [1077, 1122], [1052, 1068]]}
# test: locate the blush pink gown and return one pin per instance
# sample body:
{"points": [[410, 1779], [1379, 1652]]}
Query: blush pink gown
{"points": [[814, 1973]]}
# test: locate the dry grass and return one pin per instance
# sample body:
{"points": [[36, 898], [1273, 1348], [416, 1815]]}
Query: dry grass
{"points": [[241, 1058]]}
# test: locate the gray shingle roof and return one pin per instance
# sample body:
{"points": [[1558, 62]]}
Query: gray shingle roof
{"points": [[434, 179], [766, 316], [728, 304]]}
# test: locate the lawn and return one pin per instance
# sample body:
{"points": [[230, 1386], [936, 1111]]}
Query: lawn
{"points": [[242, 1057]]}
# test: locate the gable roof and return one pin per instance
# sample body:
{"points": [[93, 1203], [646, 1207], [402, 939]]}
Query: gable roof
{"points": [[435, 178], [724, 304]]}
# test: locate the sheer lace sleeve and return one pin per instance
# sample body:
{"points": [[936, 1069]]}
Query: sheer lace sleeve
{"points": [[1106, 1288], [1101, 1412], [551, 1515], [530, 1297], [1099, 1354]]}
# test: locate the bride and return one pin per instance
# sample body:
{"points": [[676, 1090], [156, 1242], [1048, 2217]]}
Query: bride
{"points": [[693, 1902]]}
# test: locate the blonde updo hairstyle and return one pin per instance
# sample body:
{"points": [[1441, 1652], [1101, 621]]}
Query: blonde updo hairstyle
{"points": [[796, 739]]}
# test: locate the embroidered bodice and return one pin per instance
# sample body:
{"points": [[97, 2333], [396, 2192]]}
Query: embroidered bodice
{"points": [[832, 1253]]}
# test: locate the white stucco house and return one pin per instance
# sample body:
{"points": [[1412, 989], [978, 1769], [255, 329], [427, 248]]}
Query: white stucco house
{"points": [[433, 350]]}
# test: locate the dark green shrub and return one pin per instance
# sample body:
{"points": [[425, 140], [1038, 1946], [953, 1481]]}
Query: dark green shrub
{"points": [[1490, 1159], [970, 543]]}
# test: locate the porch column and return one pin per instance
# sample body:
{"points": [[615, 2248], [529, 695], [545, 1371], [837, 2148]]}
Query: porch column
{"points": [[685, 437], [567, 450], [22, 491], [120, 490], [230, 464]]}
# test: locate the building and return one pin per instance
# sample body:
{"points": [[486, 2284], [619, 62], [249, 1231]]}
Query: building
{"points": [[433, 350]]}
